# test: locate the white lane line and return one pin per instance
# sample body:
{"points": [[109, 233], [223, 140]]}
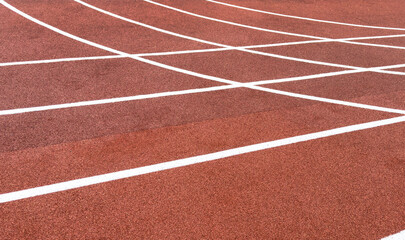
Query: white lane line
{"points": [[124, 54], [328, 100], [6, 64], [112, 100], [103, 178], [270, 30], [227, 46], [211, 89], [57, 60], [150, 27], [306, 18], [233, 23], [217, 79], [396, 236]]}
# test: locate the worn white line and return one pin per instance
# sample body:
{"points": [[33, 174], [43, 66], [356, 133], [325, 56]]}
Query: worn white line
{"points": [[396, 236], [231, 47], [217, 79], [103, 178], [271, 30], [306, 18]]}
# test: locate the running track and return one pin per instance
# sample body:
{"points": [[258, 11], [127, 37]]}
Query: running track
{"points": [[161, 119]]}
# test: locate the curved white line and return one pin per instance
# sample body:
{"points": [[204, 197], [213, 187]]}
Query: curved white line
{"points": [[108, 177], [275, 31], [56, 60], [306, 18], [231, 47], [235, 24], [217, 79]]}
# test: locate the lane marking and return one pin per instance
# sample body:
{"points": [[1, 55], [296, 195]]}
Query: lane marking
{"points": [[175, 93], [233, 23], [28, 62], [270, 30], [226, 46], [103, 178], [306, 18], [112, 100], [396, 236], [217, 79], [201, 90]]}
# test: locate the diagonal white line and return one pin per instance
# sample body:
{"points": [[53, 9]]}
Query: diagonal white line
{"points": [[42, 61], [112, 100], [217, 79], [209, 89], [271, 30], [226, 46], [103, 178], [306, 18]]}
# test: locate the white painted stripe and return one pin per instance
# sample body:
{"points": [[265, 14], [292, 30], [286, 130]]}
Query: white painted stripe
{"points": [[170, 33], [231, 47], [328, 100], [254, 51], [232, 23], [57, 60], [210, 89], [305, 18], [103, 178], [270, 30], [112, 100], [396, 236], [217, 79], [149, 26], [85, 41], [5, 64], [213, 43]]}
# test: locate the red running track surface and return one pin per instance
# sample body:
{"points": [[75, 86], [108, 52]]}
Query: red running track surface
{"points": [[332, 186]]}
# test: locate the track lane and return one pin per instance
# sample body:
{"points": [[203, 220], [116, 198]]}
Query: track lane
{"points": [[72, 17], [274, 22], [234, 83], [341, 53], [241, 66], [292, 191], [20, 40], [58, 83], [223, 45], [215, 121], [387, 41], [365, 15], [367, 88], [64, 125], [321, 39], [214, 31]]}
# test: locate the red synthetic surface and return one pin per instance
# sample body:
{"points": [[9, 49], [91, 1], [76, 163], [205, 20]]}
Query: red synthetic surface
{"points": [[242, 66], [275, 22], [24, 40], [370, 88], [347, 54], [395, 41], [350, 186]]}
